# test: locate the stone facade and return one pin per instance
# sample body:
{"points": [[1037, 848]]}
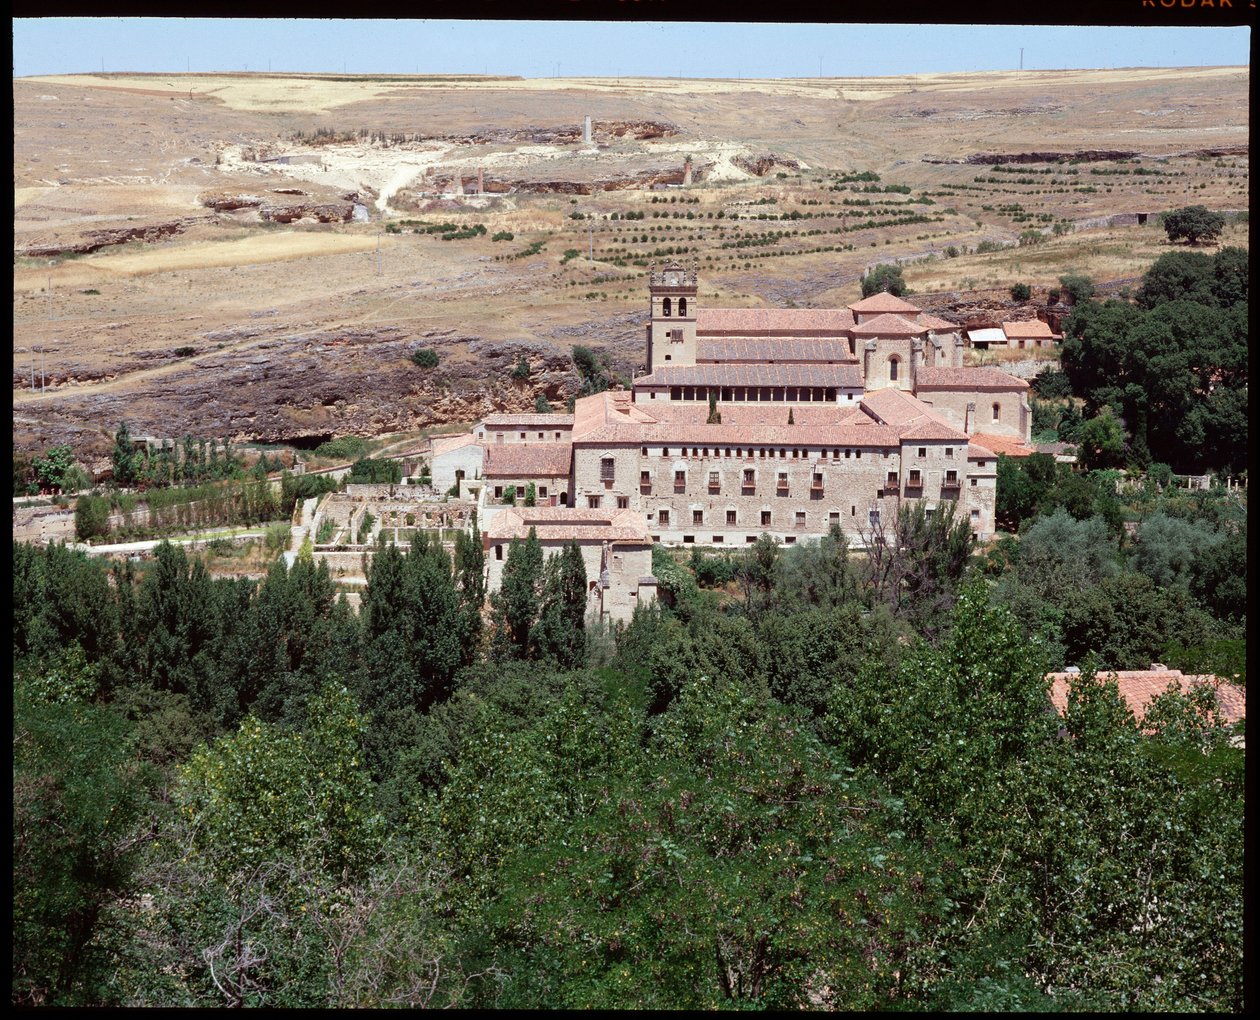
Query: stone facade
{"points": [[616, 551]]}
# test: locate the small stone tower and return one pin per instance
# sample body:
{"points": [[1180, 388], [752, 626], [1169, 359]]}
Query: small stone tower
{"points": [[671, 333]]}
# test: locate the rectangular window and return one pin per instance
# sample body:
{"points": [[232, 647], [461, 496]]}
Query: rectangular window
{"points": [[848, 454], [916, 477], [922, 451], [750, 539], [689, 538], [833, 517], [973, 481], [606, 468], [540, 435], [800, 518], [949, 451], [680, 481], [645, 477], [662, 517], [717, 539], [714, 481], [522, 435], [765, 518], [542, 491], [892, 479], [498, 492], [750, 476], [730, 517], [951, 477], [498, 552], [873, 517], [790, 540], [664, 451], [697, 516]]}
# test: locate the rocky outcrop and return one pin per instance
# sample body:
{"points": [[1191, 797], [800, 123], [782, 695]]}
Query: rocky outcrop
{"points": [[98, 239], [229, 203], [302, 386], [325, 212], [761, 164]]}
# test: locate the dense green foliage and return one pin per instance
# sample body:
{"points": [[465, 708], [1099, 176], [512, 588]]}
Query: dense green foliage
{"points": [[375, 470], [884, 277], [1193, 223], [803, 779], [1173, 370]]}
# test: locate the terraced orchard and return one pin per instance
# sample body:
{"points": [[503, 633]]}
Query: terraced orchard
{"points": [[260, 256]]}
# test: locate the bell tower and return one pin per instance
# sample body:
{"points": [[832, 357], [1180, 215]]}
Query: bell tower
{"points": [[671, 333]]}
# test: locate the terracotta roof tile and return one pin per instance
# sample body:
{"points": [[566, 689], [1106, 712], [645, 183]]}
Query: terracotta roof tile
{"points": [[680, 434], [563, 524], [928, 428], [753, 414], [1029, 328], [1003, 444], [770, 321], [883, 302], [977, 452], [526, 460], [889, 324], [847, 375], [445, 444], [765, 350], [552, 421], [1139, 688], [936, 323], [990, 379]]}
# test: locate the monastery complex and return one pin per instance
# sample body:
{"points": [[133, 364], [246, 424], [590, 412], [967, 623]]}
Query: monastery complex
{"points": [[748, 421], [828, 417]]}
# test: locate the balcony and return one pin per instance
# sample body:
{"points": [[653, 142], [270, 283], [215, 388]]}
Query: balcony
{"points": [[645, 488]]}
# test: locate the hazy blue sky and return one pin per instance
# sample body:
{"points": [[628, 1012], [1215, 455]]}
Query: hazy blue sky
{"points": [[543, 49]]}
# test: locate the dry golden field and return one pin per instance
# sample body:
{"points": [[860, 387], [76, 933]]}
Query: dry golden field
{"points": [[301, 329]]}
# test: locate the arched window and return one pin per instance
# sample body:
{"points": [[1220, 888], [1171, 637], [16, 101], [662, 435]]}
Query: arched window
{"points": [[997, 411], [682, 307], [666, 307], [893, 366]]}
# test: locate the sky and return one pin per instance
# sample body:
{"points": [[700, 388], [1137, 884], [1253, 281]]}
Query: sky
{"points": [[540, 49]]}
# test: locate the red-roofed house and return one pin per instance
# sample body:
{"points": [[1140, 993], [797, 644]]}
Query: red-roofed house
{"points": [[1139, 687], [1030, 333]]}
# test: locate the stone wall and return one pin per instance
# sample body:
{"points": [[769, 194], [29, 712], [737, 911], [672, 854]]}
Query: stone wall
{"points": [[41, 525], [1014, 414], [848, 489]]}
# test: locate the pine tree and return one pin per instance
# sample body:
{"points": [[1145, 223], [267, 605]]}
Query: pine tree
{"points": [[124, 458], [715, 416], [791, 417]]}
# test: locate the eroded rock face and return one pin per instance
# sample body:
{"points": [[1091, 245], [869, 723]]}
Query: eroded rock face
{"points": [[279, 388], [325, 212], [762, 163], [98, 239], [220, 202]]}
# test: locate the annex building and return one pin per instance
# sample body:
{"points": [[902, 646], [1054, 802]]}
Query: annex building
{"points": [[758, 420]]}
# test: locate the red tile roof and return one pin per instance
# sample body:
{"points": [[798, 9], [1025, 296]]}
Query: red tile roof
{"points": [[883, 302], [764, 350], [769, 321], [445, 444], [989, 379], [978, 452], [1139, 688], [936, 323], [911, 418], [563, 524], [551, 421], [1003, 444], [847, 375], [1029, 328], [528, 460], [889, 325]]}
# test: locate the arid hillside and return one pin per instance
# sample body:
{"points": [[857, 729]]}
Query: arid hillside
{"points": [[258, 256]]}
